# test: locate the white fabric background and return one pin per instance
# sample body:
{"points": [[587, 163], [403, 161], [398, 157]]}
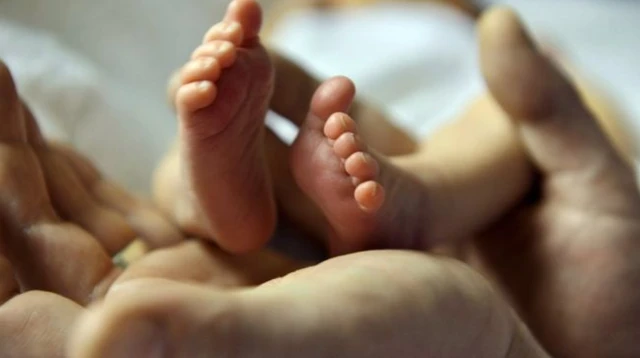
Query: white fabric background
{"points": [[95, 71]]}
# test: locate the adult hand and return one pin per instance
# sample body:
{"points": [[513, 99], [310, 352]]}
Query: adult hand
{"points": [[60, 224], [43, 251], [371, 304], [78, 191], [569, 257]]}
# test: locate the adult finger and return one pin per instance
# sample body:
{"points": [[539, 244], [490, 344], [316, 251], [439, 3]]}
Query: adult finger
{"points": [[374, 304], [36, 324], [45, 252], [145, 220], [72, 199], [201, 262], [558, 130]]}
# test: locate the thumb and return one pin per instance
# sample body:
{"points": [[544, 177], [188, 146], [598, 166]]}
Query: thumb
{"points": [[375, 304], [558, 130]]}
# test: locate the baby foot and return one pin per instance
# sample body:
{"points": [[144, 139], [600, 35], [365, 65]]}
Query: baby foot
{"points": [[368, 202], [358, 163], [222, 103]]}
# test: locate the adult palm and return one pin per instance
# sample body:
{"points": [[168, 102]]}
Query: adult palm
{"points": [[569, 257]]}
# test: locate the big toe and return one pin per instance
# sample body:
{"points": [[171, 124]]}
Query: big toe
{"points": [[248, 14], [333, 96], [242, 23]]}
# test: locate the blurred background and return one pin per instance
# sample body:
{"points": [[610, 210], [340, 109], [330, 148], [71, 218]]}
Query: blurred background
{"points": [[95, 71]]}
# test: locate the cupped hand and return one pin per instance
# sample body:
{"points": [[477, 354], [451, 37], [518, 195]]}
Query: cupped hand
{"points": [[568, 256], [61, 222], [370, 304]]}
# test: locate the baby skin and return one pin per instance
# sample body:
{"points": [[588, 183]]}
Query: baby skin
{"points": [[361, 198], [365, 199], [221, 103]]}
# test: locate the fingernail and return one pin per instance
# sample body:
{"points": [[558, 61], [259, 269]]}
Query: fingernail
{"points": [[139, 339]]}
